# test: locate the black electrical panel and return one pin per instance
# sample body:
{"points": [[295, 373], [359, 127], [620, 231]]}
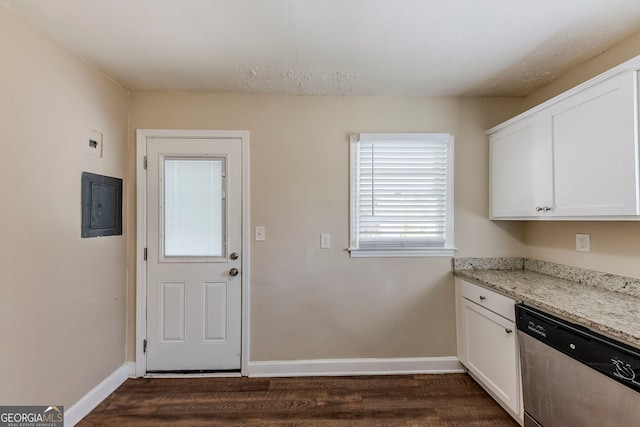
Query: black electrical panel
{"points": [[101, 205]]}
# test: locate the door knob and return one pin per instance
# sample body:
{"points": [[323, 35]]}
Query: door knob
{"points": [[234, 256], [233, 272]]}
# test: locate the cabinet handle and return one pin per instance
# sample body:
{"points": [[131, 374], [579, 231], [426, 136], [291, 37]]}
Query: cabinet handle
{"points": [[508, 330], [482, 298]]}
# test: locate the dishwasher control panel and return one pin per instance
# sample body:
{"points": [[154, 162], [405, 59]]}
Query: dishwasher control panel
{"points": [[616, 360]]}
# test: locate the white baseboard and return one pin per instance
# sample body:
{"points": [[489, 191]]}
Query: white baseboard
{"points": [[328, 367], [89, 401]]}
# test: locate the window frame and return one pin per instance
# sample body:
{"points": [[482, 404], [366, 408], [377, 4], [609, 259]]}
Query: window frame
{"points": [[447, 250]]}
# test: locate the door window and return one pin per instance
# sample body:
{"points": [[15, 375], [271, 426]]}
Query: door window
{"points": [[194, 206]]}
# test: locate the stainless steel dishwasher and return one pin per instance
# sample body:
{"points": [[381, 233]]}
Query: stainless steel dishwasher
{"points": [[573, 377]]}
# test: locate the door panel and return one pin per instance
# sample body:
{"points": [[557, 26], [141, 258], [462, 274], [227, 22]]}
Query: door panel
{"points": [[193, 220], [214, 306], [172, 312]]}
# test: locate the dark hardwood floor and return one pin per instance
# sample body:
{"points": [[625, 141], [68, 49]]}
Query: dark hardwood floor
{"points": [[397, 400]]}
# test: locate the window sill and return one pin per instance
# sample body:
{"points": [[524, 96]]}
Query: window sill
{"points": [[402, 253]]}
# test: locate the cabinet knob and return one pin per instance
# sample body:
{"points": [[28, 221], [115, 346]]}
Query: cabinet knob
{"points": [[508, 330], [482, 298], [538, 208], [546, 209]]}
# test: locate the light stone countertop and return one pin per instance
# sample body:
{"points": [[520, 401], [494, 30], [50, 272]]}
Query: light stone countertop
{"points": [[601, 310]]}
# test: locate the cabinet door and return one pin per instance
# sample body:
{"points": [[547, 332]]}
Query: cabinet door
{"points": [[521, 169], [594, 150], [492, 352]]}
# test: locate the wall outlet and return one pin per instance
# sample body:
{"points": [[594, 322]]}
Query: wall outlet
{"points": [[583, 243]]}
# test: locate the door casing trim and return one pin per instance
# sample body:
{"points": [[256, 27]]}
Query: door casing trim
{"points": [[141, 234]]}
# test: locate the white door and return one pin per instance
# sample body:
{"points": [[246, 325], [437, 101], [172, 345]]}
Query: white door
{"points": [[194, 224]]}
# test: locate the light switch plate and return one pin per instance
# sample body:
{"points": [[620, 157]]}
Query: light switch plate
{"points": [[259, 233], [325, 241]]}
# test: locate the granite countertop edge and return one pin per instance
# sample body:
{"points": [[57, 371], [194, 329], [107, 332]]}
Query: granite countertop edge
{"points": [[591, 303]]}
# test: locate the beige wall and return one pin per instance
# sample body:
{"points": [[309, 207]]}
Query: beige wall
{"points": [[62, 298], [615, 246], [308, 303]]}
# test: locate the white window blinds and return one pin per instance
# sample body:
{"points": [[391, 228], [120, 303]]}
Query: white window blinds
{"points": [[401, 193]]}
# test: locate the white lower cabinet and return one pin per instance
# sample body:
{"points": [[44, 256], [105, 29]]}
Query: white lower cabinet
{"points": [[487, 343]]}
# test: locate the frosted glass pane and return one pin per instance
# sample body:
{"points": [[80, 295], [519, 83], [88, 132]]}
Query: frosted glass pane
{"points": [[193, 207]]}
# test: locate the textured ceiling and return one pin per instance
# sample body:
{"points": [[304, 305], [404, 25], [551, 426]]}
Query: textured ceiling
{"points": [[335, 47]]}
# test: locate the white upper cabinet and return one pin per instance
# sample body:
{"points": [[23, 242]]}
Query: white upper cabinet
{"points": [[521, 169], [594, 150], [573, 157]]}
